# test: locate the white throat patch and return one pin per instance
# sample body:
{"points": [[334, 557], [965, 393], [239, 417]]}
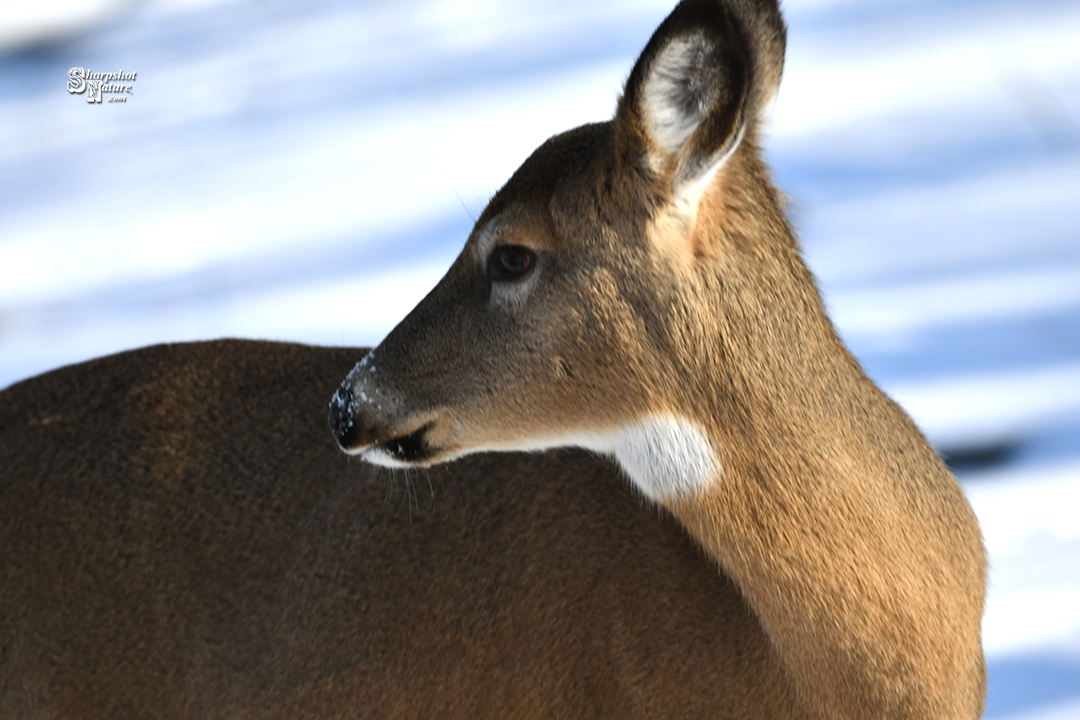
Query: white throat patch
{"points": [[663, 455]]}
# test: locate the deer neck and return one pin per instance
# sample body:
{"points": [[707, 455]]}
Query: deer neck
{"points": [[810, 488], [852, 564]]}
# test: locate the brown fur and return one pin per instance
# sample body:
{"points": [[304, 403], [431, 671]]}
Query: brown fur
{"points": [[180, 540]]}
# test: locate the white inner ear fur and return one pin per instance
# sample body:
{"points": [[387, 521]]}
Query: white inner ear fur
{"points": [[669, 118], [674, 105], [688, 190]]}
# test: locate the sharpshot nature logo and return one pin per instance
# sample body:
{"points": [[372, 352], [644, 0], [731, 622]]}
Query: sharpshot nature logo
{"points": [[96, 84]]}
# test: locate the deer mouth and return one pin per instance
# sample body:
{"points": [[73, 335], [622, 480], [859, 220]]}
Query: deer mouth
{"points": [[408, 450], [411, 448]]}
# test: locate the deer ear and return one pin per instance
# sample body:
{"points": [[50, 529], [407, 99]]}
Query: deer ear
{"points": [[685, 101]]}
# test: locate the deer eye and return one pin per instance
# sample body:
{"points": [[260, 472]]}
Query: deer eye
{"points": [[510, 262]]}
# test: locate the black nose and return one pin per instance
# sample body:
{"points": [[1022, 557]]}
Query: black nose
{"points": [[342, 423]]}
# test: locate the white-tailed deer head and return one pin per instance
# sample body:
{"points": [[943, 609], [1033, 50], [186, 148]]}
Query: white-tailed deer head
{"points": [[636, 290], [588, 306]]}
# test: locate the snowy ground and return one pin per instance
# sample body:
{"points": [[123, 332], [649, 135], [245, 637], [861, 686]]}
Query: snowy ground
{"points": [[307, 171]]}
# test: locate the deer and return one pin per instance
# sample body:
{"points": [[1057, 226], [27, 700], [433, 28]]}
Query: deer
{"points": [[618, 463]]}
